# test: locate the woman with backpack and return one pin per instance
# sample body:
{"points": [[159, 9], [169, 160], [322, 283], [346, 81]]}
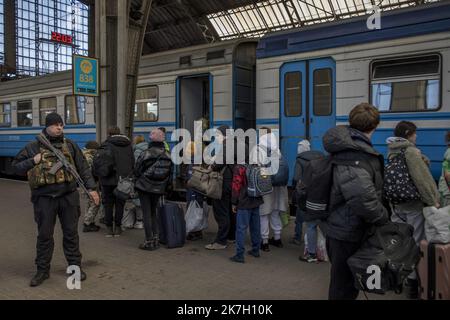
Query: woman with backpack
{"points": [[418, 191], [153, 174], [276, 201]]}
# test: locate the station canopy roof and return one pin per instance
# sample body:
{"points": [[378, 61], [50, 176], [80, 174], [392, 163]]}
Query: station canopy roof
{"points": [[181, 23]]}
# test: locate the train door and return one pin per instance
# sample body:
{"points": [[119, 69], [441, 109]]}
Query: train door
{"points": [[307, 104], [193, 102]]}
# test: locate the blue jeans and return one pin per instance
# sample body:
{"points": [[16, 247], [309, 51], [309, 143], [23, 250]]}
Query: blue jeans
{"points": [[311, 234], [298, 224], [247, 218]]}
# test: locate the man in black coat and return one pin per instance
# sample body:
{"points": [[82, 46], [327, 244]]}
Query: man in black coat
{"points": [[119, 151], [54, 194], [356, 194]]}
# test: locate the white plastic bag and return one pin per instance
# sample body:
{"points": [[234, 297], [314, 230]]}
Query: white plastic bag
{"points": [[321, 249], [129, 215], [194, 217], [437, 224], [321, 246]]}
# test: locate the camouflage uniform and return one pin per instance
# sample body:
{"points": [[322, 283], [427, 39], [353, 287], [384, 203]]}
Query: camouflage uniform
{"points": [[92, 210]]}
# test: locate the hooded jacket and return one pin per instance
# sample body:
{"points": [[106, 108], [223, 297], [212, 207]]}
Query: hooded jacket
{"points": [[139, 148], [121, 151], [356, 194], [156, 157], [23, 162], [417, 168]]}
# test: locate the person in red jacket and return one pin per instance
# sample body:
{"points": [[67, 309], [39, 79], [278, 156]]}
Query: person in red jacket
{"points": [[247, 215]]}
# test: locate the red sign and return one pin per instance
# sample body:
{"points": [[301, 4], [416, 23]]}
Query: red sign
{"points": [[62, 38]]}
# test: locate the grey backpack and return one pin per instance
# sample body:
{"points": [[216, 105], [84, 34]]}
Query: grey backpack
{"points": [[259, 183], [125, 189]]}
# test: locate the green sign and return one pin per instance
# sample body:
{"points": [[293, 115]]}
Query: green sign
{"points": [[85, 76]]}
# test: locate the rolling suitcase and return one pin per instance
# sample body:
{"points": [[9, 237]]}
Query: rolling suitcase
{"points": [[434, 271], [172, 226]]}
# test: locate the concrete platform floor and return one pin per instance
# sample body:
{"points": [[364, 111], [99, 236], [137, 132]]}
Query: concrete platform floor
{"points": [[117, 269]]}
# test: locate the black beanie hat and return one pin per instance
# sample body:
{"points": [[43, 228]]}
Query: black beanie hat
{"points": [[53, 118]]}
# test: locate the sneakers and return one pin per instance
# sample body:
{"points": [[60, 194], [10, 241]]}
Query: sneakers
{"points": [[149, 246], [276, 243], [118, 231], [109, 232], [253, 253], [38, 278], [265, 247], [215, 246], [90, 227], [309, 257], [139, 225], [237, 259]]}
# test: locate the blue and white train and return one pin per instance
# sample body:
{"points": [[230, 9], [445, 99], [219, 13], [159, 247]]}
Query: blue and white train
{"points": [[300, 82]]}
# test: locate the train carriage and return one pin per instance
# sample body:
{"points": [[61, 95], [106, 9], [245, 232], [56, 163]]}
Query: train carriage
{"points": [[309, 79]]}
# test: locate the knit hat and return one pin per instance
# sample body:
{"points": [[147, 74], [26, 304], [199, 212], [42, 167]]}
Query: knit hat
{"points": [[303, 146], [52, 119]]}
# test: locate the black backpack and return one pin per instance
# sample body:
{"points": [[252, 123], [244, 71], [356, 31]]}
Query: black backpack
{"points": [[392, 249], [103, 163], [398, 185], [314, 190]]}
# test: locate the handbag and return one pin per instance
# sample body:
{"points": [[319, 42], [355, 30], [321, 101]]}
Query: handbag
{"points": [[206, 181]]}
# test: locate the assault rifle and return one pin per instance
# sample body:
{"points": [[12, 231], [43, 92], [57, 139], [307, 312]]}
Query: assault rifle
{"points": [[62, 162]]}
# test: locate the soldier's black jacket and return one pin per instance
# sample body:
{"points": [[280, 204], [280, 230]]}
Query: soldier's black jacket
{"points": [[24, 161]]}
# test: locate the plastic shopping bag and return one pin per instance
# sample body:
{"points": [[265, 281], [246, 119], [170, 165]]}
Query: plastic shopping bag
{"points": [[194, 217], [437, 224]]}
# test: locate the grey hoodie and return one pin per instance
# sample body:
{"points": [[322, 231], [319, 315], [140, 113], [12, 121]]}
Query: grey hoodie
{"points": [[418, 168]]}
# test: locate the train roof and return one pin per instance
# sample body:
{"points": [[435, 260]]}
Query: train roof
{"points": [[430, 18], [44, 82]]}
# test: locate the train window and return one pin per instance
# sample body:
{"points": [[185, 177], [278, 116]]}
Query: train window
{"points": [[293, 94], [5, 115], [75, 109], [24, 114], [322, 92], [407, 84], [46, 106], [146, 107]]}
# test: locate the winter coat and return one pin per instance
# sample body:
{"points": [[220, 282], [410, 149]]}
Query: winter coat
{"points": [[417, 168], [139, 148], [146, 162], [356, 194], [444, 184], [121, 150], [23, 162], [262, 154]]}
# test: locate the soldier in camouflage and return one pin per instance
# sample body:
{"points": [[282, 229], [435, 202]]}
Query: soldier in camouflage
{"points": [[92, 209], [54, 193]]}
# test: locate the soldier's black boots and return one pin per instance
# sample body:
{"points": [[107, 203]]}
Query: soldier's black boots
{"points": [[38, 278]]}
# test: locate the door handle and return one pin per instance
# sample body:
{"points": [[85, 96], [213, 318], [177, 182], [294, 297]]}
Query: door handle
{"points": [[311, 120]]}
